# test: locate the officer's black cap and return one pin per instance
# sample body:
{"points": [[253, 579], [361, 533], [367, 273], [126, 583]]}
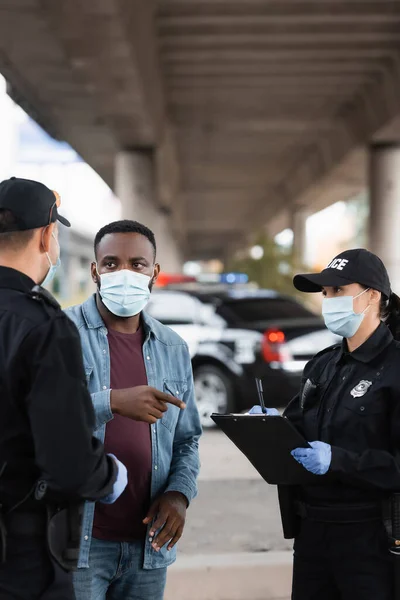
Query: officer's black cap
{"points": [[32, 203], [352, 266]]}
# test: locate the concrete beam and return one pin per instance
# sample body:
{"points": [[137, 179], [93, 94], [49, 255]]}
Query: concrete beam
{"points": [[24, 95], [345, 181], [245, 68], [289, 126], [275, 56], [390, 132], [88, 73], [138, 20], [353, 127], [91, 76], [269, 98], [236, 110], [225, 102], [285, 8], [284, 40], [297, 19], [282, 86], [105, 67], [256, 26]]}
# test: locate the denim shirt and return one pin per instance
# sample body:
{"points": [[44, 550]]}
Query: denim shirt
{"points": [[174, 438]]}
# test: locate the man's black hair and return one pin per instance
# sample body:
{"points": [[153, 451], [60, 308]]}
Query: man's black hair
{"points": [[10, 236], [125, 226]]}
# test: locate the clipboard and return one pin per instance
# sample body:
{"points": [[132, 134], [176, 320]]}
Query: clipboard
{"points": [[267, 442]]}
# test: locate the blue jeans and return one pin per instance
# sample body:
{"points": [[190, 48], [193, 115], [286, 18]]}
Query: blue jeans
{"points": [[116, 573]]}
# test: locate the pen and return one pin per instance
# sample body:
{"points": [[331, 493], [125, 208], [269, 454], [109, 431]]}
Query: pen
{"points": [[260, 394]]}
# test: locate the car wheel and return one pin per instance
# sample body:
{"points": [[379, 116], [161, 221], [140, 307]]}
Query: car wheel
{"points": [[214, 393]]}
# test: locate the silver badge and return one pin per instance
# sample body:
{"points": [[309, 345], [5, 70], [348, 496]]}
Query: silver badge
{"points": [[361, 389]]}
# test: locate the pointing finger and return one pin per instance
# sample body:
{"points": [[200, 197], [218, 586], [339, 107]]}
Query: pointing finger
{"points": [[170, 399]]}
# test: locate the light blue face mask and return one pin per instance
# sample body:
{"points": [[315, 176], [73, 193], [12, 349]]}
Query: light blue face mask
{"points": [[339, 315], [125, 293], [53, 268]]}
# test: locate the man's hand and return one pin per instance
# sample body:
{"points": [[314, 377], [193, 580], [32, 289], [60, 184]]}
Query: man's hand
{"points": [[142, 403], [169, 512]]}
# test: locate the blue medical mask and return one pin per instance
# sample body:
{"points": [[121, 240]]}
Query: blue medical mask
{"points": [[53, 268], [339, 315], [125, 293]]}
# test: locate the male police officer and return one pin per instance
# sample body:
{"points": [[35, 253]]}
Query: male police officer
{"points": [[46, 415]]}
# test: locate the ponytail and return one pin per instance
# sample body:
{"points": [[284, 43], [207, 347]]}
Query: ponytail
{"points": [[390, 314]]}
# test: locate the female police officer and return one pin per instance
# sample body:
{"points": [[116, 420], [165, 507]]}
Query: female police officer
{"points": [[349, 409]]}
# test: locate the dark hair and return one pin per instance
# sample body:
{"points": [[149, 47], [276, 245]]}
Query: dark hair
{"points": [[390, 313], [125, 226], [10, 234]]}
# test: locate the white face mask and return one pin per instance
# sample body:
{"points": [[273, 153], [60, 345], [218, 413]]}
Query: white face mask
{"points": [[53, 268], [125, 293], [339, 315]]}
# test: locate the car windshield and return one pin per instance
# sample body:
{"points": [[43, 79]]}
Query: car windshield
{"points": [[252, 310]]}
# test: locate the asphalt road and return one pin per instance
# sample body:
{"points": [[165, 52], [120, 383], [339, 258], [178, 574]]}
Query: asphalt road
{"points": [[235, 511]]}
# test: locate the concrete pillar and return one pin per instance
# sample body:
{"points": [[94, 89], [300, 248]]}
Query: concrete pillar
{"points": [[299, 218], [136, 188], [384, 181]]}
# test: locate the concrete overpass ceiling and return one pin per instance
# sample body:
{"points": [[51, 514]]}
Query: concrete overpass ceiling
{"points": [[261, 100], [266, 98], [83, 72]]}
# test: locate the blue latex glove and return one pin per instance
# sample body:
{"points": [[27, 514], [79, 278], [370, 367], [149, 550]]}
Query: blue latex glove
{"points": [[119, 484], [271, 412], [316, 459]]}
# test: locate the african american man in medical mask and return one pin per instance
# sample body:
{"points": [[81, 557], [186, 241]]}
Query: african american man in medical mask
{"points": [[140, 378]]}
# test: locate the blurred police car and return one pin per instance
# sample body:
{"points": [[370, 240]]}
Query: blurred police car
{"points": [[235, 336]]}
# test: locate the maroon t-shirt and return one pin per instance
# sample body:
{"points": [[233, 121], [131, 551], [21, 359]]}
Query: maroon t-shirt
{"points": [[130, 441]]}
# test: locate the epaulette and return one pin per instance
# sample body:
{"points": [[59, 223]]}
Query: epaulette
{"points": [[41, 295]]}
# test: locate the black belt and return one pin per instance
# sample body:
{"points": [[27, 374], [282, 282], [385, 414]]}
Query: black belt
{"points": [[340, 514]]}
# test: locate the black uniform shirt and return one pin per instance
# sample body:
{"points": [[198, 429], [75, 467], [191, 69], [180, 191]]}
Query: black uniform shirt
{"points": [[46, 414], [355, 407]]}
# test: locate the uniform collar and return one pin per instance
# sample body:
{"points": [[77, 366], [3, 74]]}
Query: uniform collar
{"points": [[15, 280], [370, 349]]}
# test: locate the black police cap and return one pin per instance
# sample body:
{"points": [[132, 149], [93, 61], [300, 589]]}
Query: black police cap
{"points": [[352, 266], [32, 203]]}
